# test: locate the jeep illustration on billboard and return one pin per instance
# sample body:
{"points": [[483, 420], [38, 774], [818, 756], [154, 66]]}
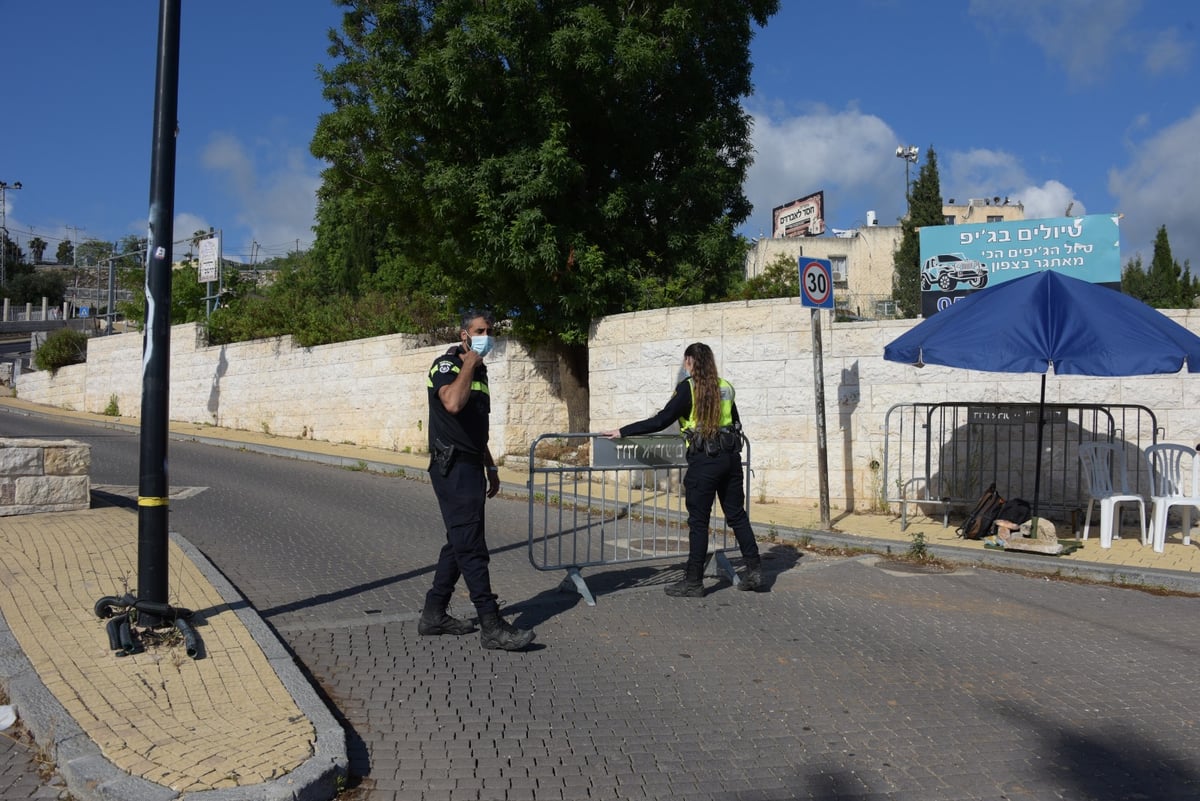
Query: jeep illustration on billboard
{"points": [[947, 270]]}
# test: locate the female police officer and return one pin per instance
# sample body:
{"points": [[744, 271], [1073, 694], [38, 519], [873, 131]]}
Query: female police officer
{"points": [[708, 420]]}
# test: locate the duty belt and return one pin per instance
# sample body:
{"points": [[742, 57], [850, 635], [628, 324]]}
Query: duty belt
{"points": [[445, 456]]}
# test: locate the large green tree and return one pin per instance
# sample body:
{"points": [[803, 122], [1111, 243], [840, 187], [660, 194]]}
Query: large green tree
{"points": [[557, 160], [924, 208], [779, 279], [1166, 285], [27, 286], [92, 252], [37, 247], [65, 252], [13, 254]]}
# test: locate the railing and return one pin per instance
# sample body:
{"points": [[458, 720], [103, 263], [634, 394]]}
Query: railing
{"points": [[626, 506], [942, 456]]}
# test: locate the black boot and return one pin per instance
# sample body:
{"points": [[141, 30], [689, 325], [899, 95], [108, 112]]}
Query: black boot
{"points": [[435, 620], [752, 577], [692, 585], [498, 633]]}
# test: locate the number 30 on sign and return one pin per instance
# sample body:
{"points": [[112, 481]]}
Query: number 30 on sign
{"points": [[816, 283]]}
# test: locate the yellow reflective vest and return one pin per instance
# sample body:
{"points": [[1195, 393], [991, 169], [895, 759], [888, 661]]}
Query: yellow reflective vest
{"points": [[686, 424]]}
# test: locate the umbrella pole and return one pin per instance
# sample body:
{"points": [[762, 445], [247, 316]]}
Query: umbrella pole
{"points": [[1037, 469]]}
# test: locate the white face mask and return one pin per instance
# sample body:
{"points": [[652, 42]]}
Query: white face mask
{"points": [[482, 344]]}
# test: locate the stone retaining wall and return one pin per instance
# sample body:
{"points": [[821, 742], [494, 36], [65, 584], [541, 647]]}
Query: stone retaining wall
{"points": [[372, 392], [38, 475], [369, 392]]}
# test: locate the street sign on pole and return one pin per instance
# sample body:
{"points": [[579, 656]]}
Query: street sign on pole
{"points": [[209, 258], [816, 283], [816, 292]]}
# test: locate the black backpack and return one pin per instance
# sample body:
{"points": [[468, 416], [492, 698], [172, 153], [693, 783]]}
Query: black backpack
{"points": [[1015, 510], [981, 521]]}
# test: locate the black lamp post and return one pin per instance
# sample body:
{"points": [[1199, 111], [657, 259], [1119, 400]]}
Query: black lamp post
{"points": [[909, 154], [4, 187]]}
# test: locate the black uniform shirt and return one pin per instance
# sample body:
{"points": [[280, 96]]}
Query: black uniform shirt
{"points": [[467, 430]]}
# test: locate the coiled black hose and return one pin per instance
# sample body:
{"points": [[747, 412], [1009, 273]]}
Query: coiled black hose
{"points": [[191, 642], [119, 626], [113, 627]]}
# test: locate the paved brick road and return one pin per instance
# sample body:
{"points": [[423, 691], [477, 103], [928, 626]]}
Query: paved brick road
{"points": [[845, 681]]}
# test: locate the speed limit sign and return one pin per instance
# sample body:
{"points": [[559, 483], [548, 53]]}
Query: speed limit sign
{"points": [[816, 283]]}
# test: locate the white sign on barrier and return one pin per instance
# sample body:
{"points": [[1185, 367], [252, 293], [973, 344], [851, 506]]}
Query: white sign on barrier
{"points": [[639, 451]]}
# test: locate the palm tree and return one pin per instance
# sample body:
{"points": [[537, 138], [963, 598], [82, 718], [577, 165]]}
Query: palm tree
{"points": [[37, 246], [197, 236]]}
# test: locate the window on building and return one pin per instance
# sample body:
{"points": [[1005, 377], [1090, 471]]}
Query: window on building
{"points": [[948, 219], [837, 266], [885, 308], [995, 218]]}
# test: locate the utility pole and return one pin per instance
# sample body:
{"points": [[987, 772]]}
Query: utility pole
{"points": [[153, 487], [4, 187], [910, 155], [74, 229]]}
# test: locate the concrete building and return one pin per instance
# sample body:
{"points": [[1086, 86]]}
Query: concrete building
{"points": [[983, 210], [862, 258]]}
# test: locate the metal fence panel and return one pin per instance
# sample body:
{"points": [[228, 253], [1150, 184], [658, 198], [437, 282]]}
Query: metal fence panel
{"points": [[942, 456], [588, 516]]}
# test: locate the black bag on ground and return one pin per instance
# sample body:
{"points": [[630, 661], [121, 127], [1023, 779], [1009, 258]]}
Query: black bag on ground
{"points": [[1015, 510], [981, 521]]}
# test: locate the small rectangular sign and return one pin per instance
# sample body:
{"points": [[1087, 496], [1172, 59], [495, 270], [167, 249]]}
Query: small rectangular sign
{"points": [[804, 216], [1011, 415], [655, 451], [209, 258]]}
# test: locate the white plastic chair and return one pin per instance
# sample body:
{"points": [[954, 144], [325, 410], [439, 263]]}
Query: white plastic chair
{"points": [[1174, 481], [1102, 463]]}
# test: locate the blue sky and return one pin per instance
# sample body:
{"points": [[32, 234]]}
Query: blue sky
{"points": [[1087, 104]]}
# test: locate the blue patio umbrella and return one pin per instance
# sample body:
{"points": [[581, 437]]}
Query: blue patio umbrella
{"points": [[1050, 321]]}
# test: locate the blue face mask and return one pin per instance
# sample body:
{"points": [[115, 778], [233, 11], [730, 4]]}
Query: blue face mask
{"points": [[482, 344]]}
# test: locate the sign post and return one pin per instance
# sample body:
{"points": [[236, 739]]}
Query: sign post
{"points": [[209, 269], [816, 292]]}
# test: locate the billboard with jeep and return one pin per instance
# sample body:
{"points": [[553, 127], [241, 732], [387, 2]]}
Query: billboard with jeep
{"points": [[957, 260]]}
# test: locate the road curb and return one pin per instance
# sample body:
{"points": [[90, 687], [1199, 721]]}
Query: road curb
{"points": [[1117, 575]]}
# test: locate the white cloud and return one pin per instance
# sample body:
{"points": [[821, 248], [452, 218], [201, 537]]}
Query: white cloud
{"points": [[1167, 52], [1083, 36], [1159, 187], [1087, 38], [273, 189], [851, 155], [226, 155], [979, 173], [186, 225], [848, 154], [1050, 199], [984, 173]]}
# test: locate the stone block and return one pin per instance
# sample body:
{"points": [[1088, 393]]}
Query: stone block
{"points": [[68, 460], [20, 457], [52, 491]]}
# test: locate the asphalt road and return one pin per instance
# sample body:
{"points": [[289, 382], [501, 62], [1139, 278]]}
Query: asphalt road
{"points": [[850, 679]]}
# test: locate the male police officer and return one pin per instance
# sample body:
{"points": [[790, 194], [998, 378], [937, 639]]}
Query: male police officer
{"points": [[459, 404]]}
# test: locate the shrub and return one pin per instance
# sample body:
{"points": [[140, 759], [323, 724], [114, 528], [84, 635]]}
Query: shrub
{"points": [[64, 346]]}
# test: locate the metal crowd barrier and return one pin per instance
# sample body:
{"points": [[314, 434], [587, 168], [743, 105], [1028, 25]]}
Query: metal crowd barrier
{"points": [[626, 506], [944, 455]]}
